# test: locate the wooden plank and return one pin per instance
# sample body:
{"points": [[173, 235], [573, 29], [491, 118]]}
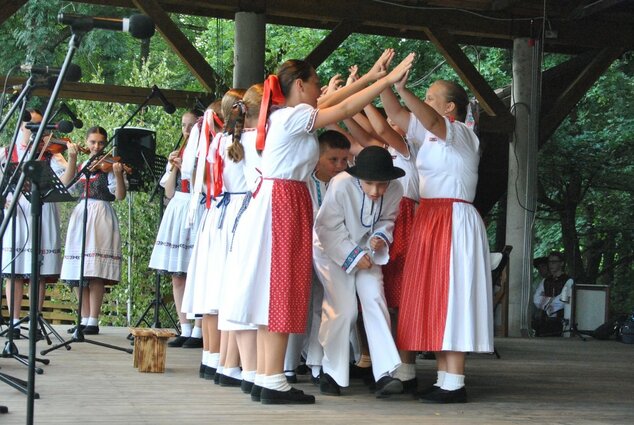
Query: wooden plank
{"points": [[330, 43], [179, 43], [454, 55], [9, 7], [472, 28], [119, 94]]}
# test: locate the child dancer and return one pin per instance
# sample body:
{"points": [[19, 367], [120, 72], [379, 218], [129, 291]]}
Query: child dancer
{"points": [[50, 253], [175, 240], [354, 228]]}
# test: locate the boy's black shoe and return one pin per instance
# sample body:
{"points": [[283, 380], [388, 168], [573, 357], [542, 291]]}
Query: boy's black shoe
{"points": [[387, 386], [327, 385]]}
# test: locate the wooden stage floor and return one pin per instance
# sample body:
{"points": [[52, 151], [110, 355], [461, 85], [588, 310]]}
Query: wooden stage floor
{"points": [[539, 381]]}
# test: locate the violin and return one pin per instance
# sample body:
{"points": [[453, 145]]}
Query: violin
{"points": [[105, 163], [55, 146]]}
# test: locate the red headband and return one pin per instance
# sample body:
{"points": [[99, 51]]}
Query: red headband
{"points": [[272, 95]]}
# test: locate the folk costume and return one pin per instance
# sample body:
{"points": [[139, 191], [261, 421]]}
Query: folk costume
{"points": [[50, 242], [273, 272], [175, 240], [446, 300], [344, 226], [393, 270], [102, 258]]}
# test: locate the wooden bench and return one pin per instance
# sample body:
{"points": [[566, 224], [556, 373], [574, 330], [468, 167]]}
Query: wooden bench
{"points": [[150, 348]]}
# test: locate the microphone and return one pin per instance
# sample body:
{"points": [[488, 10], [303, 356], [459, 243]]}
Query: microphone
{"points": [[167, 106], [139, 26], [65, 109], [63, 126], [73, 72]]}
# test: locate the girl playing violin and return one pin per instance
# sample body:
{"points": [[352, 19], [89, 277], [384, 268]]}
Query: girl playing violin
{"points": [[102, 258], [50, 252]]}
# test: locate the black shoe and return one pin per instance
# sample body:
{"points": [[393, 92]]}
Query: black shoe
{"points": [[292, 396], [291, 378], [193, 343], [228, 381], [246, 386], [327, 385], [314, 379], [256, 392], [91, 330], [217, 378], [428, 390], [178, 341], [445, 396], [387, 386], [410, 386], [210, 373], [201, 370], [357, 372], [72, 330]]}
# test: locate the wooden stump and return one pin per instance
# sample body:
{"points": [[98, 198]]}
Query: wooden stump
{"points": [[149, 348]]}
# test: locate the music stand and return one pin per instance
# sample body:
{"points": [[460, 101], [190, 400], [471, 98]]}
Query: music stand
{"points": [[157, 303]]}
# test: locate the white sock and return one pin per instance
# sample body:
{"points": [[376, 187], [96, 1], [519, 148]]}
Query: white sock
{"points": [[186, 330], [276, 382], [258, 379], [84, 321], [315, 370], [364, 361], [452, 382], [249, 375], [405, 372], [93, 321], [232, 372], [197, 332], [205, 358], [220, 370], [440, 378], [213, 360]]}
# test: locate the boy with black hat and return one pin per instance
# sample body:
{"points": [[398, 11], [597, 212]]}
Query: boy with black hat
{"points": [[353, 231]]}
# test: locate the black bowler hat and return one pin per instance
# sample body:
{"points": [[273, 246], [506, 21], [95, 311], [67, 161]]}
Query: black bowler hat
{"points": [[374, 163]]}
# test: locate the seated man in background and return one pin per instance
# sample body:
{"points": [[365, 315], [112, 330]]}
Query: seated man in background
{"points": [[550, 297]]}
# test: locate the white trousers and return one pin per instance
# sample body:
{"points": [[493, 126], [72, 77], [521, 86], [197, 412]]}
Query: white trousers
{"points": [[339, 315]]}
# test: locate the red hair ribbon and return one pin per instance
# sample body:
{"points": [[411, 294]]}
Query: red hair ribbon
{"points": [[272, 95]]}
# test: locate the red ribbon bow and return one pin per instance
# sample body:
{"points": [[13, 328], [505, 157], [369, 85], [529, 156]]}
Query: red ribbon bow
{"points": [[272, 95]]}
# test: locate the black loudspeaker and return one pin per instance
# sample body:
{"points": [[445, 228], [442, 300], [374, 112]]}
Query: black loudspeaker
{"points": [[137, 149]]}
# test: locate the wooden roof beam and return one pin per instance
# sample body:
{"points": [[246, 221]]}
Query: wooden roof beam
{"points": [[575, 90], [454, 55], [179, 43], [330, 43], [118, 94], [9, 7], [584, 11]]}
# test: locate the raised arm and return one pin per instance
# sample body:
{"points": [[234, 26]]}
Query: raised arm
{"points": [[378, 70], [385, 131], [429, 118], [357, 101], [399, 115], [364, 138]]}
